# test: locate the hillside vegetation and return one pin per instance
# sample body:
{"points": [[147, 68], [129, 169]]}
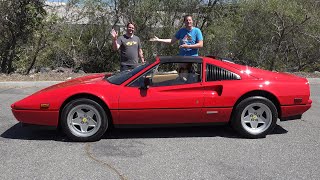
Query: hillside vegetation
{"points": [[281, 35]]}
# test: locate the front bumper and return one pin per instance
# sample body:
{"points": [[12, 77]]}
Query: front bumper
{"points": [[38, 117]]}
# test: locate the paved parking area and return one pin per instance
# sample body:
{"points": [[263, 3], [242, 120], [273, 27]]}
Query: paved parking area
{"points": [[292, 151]]}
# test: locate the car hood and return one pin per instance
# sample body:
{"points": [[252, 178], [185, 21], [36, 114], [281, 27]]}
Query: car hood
{"points": [[56, 94], [77, 81]]}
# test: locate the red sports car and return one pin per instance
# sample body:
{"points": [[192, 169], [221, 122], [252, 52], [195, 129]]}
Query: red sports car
{"points": [[171, 90]]}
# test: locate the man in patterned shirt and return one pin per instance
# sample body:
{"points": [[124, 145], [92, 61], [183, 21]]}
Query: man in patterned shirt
{"points": [[130, 48]]}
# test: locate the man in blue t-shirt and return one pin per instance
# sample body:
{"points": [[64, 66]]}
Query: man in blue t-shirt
{"points": [[190, 38]]}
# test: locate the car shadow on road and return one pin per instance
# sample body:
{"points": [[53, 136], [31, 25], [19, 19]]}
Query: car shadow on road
{"points": [[33, 132], [48, 133], [179, 132]]}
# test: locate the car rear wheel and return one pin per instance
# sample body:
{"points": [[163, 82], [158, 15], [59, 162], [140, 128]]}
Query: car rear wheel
{"points": [[255, 117], [84, 120]]}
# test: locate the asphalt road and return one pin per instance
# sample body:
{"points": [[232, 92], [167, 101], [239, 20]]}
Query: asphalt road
{"points": [[292, 151]]}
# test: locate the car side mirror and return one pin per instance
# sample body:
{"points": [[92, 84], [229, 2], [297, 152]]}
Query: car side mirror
{"points": [[146, 83]]}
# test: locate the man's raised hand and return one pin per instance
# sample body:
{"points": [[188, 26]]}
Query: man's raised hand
{"points": [[114, 34]]}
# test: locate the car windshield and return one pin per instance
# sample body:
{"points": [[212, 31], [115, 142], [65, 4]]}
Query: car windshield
{"points": [[121, 77]]}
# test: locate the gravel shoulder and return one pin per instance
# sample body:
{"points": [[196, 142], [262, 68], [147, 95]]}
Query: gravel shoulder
{"points": [[41, 77], [53, 76]]}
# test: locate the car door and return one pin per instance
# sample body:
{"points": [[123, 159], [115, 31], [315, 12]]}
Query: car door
{"points": [[164, 101]]}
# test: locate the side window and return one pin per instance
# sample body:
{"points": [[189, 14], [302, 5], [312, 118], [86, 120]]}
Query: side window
{"points": [[214, 73], [169, 74], [140, 80]]}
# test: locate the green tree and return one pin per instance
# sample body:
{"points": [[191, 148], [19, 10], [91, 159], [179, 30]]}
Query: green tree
{"points": [[18, 21], [281, 35]]}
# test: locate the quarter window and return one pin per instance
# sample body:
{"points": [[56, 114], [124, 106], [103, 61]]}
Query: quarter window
{"points": [[214, 73]]}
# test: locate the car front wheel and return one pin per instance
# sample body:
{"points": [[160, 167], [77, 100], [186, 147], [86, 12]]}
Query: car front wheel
{"points": [[255, 117], [84, 120]]}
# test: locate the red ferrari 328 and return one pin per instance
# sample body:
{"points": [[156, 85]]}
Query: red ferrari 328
{"points": [[171, 90]]}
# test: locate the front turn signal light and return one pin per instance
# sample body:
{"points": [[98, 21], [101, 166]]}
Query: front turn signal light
{"points": [[44, 106]]}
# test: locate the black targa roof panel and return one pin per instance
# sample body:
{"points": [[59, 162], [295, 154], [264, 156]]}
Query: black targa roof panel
{"points": [[165, 59]]}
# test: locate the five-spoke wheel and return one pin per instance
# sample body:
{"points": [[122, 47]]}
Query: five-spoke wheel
{"points": [[254, 117], [84, 120]]}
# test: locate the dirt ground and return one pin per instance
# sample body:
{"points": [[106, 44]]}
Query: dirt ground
{"points": [[308, 75], [51, 76]]}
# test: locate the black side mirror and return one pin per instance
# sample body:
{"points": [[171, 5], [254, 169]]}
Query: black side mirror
{"points": [[146, 83]]}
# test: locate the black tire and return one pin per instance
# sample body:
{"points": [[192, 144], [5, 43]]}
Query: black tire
{"points": [[84, 120], [254, 117]]}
